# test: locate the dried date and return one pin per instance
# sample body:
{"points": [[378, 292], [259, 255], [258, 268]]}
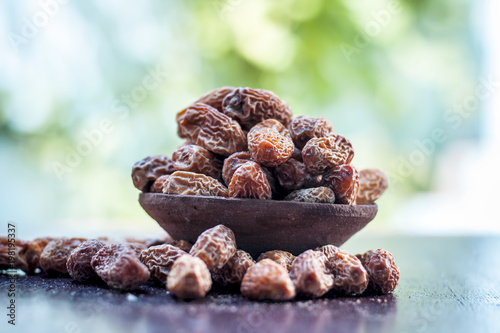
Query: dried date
{"points": [[383, 273], [190, 183], [159, 184], [267, 280], [215, 246], [317, 194], [310, 275], [372, 184], [350, 277], [147, 170], [303, 128], [211, 129], [197, 159], [231, 274], [160, 259], [328, 250], [280, 257], [251, 106], [215, 97], [182, 244], [119, 267], [55, 255], [343, 180], [232, 163], [269, 143], [292, 175], [189, 278], [26, 255], [320, 154], [79, 261], [250, 181]]}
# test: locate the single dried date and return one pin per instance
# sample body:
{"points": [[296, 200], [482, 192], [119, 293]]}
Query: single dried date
{"points": [[251, 106], [383, 273], [317, 194], [232, 163], [55, 255], [189, 278], [304, 128], [292, 175], [190, 183], [267, 280], [79, 261], [160, 259], [310, 275], [350, 277], [269, 143], [159, 184], [119, 267], [372, 184], [232, 273], [280, 257], [343, 180], [147, 170], [215, 97], [320, 154], [211, 129], [215, 246], [250, 181], [197, 159]]}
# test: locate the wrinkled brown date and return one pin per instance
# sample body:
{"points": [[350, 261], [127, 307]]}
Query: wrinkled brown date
{"points": [[292, 175], [211, 129], [160, 259], [159, 184], [383, 273], [270, 143], [251, 106], [316, 194], [303, 128], [55, 255], [79, 261], [250, 181], [372, 184], [26, 255], [197, 159], [215, 246], [147, 170], [232, 163], [320, 154], [190, 183], [350, 276], [280, 257], [231, 274], [189, 278], [267, 280], [119, 267], [343, 180], [215, 97], [309, 274]]}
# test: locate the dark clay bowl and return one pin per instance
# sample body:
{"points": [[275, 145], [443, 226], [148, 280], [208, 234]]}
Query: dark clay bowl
{"points": [[259, 225]]}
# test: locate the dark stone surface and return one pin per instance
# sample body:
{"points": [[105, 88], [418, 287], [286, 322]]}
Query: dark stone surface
{"points": [[446, 285], [259, 225]]}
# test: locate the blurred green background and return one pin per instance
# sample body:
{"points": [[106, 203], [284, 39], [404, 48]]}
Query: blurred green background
{"points": [[87, 88]]}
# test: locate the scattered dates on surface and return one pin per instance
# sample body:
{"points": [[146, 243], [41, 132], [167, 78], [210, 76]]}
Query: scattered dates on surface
{"points": [[244, 143], [190, 272]]}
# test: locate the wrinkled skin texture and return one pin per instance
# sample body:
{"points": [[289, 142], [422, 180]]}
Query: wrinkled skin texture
{"points": [[215, 246], [210, 129], [182, 244], [250, 181], [119, 267], [190, 183], [26, 255], [328, 250], [159, 184], [55, 255], [251, 106], [189, 278], [344, 182], [292, 175], [159, 260], [232, 273], [280, 257], [197, 159], [372, 184], [320, 154], [267, 280], [383, 273], [309, 274], [232, 163], [316, 195], [147, 170], [270, 143], [303, 128], [79, 262], [215, 97], [350, 277]]}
